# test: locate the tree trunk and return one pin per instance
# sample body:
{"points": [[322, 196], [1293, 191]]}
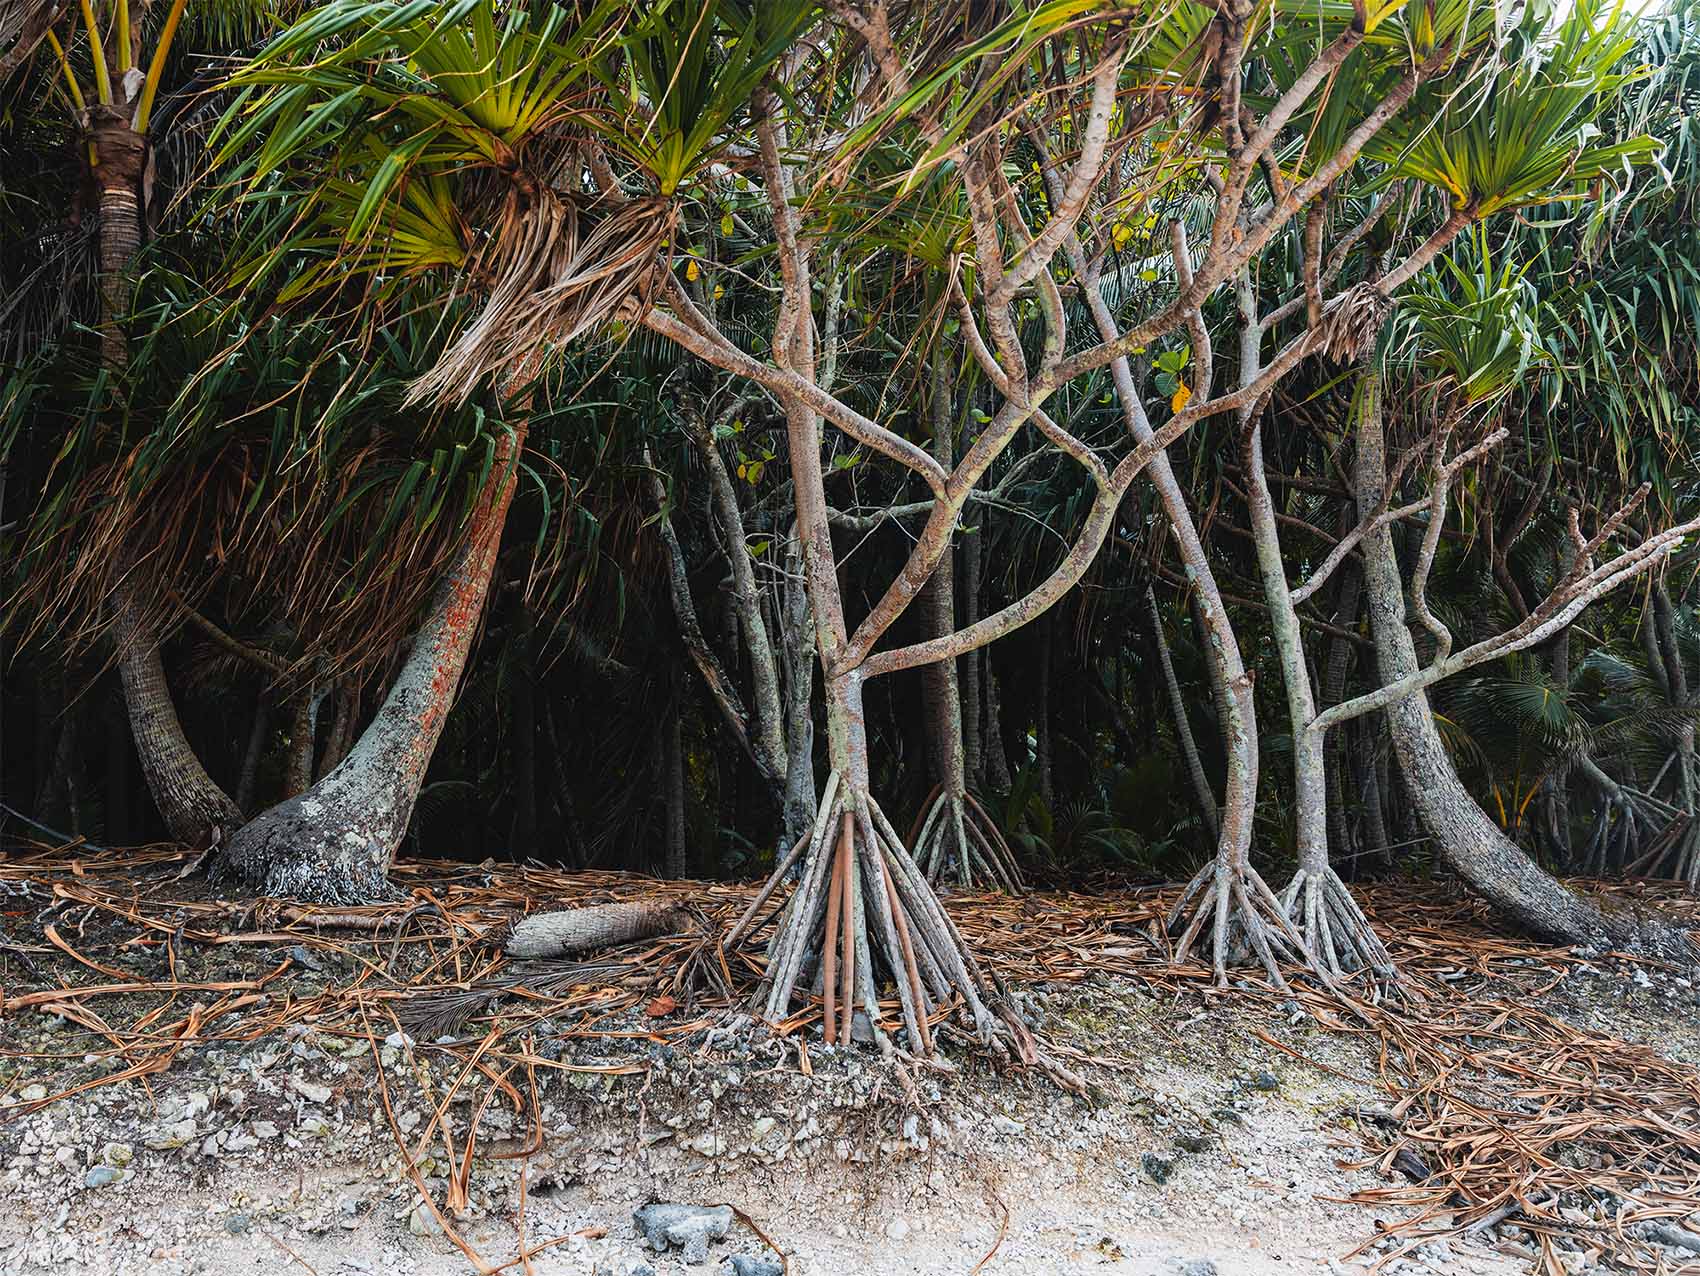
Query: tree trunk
{"points": [[1183, 726], [1347, 591], [194, 808], [938, 618], [582, 930], [797, 653], [1042, 713], [673, 777], [997, 757], [970, 696], [298, 772], [251, 756], [334, 843], [1470, 842]]}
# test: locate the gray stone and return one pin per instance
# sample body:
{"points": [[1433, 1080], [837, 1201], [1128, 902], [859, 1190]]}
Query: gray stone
{"points": [[1157, 1168], [689, 1228], [1266, 1081], [237, 1223], [744, 1265], [1199, 1267], [102, 1176]]}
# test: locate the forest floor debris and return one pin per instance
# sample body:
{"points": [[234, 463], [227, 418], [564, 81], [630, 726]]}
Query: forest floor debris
{"points": [[185, 1077]]}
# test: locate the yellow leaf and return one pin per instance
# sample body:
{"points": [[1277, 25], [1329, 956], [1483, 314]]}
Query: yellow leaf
{"points": [[719, 291], [691, 271], [1183, 392], [1121, 233], [726, 225]]}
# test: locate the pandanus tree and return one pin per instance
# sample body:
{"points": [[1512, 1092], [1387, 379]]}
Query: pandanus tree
{"points": [[559, 159], [1528, 141], [445, 126], [1556, 79]]}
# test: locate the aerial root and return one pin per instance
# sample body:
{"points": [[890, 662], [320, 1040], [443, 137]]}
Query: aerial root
{"points": [[1674, 853], [863, 915], [1336, 933], [1242, 916], [955, 834]]}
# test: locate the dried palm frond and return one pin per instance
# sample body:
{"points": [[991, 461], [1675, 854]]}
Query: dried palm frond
{"points": [[555, 267], [1351, 322], [23, 23]]}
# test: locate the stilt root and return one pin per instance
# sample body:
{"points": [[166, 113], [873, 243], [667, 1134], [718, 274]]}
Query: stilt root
{"points": [[1337, 935], [1234, 906], [863, 918], [955, 837]]}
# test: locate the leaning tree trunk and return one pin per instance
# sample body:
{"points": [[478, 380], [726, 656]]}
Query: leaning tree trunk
{"points": [[1470, 842], [334, 843], [194, 808], [954, 834]]}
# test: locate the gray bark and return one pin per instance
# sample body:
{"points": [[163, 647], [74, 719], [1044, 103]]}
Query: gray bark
{"points": [[1183, 726], [1470, 842], [582, 930]]}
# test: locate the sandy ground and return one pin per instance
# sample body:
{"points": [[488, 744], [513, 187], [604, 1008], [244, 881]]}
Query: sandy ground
{"points": [[1219, 1134], [1201, 1146]]}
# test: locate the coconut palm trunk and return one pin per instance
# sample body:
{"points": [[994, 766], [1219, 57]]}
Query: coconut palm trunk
{"points": [[195, 809], [334, 842], [1469, 841]]}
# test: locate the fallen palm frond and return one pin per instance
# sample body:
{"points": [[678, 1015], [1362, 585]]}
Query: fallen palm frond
{"points": [[1503, 1115]]}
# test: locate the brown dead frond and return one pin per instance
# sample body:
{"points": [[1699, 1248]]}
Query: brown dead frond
{"points": [[556, 266], [1351, 322]]}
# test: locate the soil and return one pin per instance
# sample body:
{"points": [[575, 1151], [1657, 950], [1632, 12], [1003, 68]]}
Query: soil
{"points": [[1202, 1145]]}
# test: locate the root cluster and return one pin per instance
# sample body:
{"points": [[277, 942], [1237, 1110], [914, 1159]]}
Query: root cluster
{"points": [[1232, 904], [1336, 933], [862, 916], [955, 837]]}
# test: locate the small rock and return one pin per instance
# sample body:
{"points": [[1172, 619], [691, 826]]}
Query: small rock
{"points": [[1266, 1081], [33, 1093], [1192, 1142], [1157, 1168], [422, 1222], [1199, 1267], [173, 1135], [686, 1227], [237, 1223], [102, 1176], [118, 1154], [743, 1265], [1006, 1125], [897, 1229], [311, 1091]]}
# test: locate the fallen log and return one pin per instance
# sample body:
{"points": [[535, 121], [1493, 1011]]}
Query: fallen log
{"points": [[581, 930]]}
